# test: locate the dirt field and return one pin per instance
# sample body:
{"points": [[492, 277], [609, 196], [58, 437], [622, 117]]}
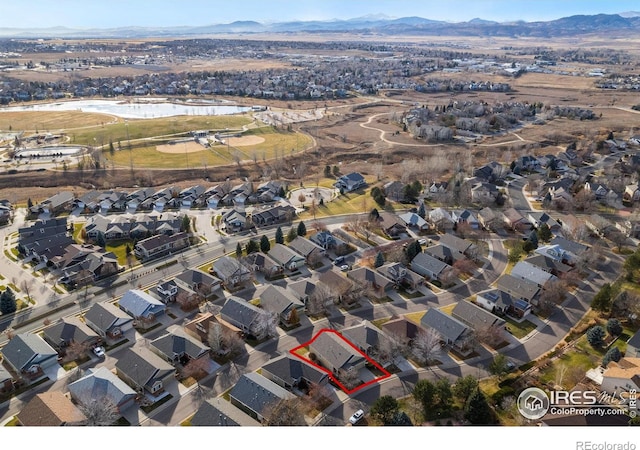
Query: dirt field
{"points": [[245, 141], [180, 148]]}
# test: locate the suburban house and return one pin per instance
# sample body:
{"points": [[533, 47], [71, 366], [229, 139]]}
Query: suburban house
{"points": [[483, 193], [302, 289], [140, 305], [102, 385], [256, 395], [530, 272], [438, 188], [160, 245], [235, 221], [428, 266], [70, 330], [200, 325], [633, 346], [490, 220], [312, 252], [414, 221], [553, 266], [218, 412], [271, 215], [167, 291], [622, 377], [392, 225], [401, 276], [631, 193], [367, 337], [394, 190], [461, 245], [259, 262], [50, 409], [402, 329], [83, 264], [29, 356], [231, 272], [178, 347], [445, 254], [286, 257], [477, 317], [350, 182], [292, 373], [335, 354], [519, 288], [339, 285], [324, 239], [144, 371], [465, 217], [452, 331], [440, 219], [571, 250], [58, 203], [514, 220], [198, 282], [109, 321], [243, 315], [6, 381], [45, 239], [539, 218], [372, 281], [281, 301]]}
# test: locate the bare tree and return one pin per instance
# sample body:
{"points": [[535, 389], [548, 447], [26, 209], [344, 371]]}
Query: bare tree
{"points": [[553, 293], [491, 335], [349, 378], [25, 285], [215, 338], [100, 412], [427, 345], [286, 412], [233, 343], [389, 350], [319, 300], [197, 369], [76, 350], [267, 323]]}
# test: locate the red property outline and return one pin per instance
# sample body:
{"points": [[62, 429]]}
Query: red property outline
{"points": [[335, 380]]}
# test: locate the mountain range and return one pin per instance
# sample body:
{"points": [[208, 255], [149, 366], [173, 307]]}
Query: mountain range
{"points": [[613, 24]]}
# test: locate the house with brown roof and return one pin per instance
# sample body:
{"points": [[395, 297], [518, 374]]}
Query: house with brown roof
{"points": [[50, 409], [622, 377]]}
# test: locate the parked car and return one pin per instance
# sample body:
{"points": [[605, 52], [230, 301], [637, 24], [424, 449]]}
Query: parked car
{"points": [[356, 417], [339, 260], [99, 351], [345, 267]]}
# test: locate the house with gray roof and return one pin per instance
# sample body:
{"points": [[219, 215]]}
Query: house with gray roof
{"points": [[6, 380], [311, 251], [143, 370], [367, 337], [58, 203], [533, 273], [218, 412], [633, 346], [139, 304], [400, 275], [109, 321], [452, 331], [281, 301], [178, 347], [231, 272], [428, 266], [243, 315], [518, 288], [374, 281], [102, 385], [455, 243], [445, 254], [160, 245], [286, 257], [198, 282], [553, 266], [335, 354], [538, 218], [573, 250], [256, 395], [70, 330], [302, 289], [476, 317], [259, 262], [291, 373], [350, 182], [414, 221], [29, 356]]}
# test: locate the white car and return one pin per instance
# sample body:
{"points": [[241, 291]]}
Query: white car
{"points": [[359, 414], [99, 351], [344, 267]]}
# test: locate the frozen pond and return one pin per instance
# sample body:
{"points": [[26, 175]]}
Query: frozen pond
{"points": [[48, 152], [134, 110]]}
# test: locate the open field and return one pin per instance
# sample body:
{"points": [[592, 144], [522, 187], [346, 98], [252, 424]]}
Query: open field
{"points": [[51, 121], [191, 155]]}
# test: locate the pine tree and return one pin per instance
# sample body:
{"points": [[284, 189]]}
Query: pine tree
{"points": [[29, 203], [613, 354], [8, 302], [302, 229], [595, 336], [252, 246], [238, 250], [544, 233], [379, 260], [292, 234], [265, 245], [422, 211], [614, 327], [279, 236], [477, 410]]}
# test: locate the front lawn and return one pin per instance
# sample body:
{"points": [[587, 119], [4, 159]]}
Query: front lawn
{"points": [[519, 330], [119, 248]]}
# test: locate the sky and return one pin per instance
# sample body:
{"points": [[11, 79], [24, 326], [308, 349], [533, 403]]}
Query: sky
{"points": [[167, 13]]}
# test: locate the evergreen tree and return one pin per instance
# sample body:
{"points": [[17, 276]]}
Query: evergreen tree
{"points": [[29, 203], [252, 246], [422, 211], [477, 410], [596, 335], [8, 303], [112, 149], [327, 171], [281, 192], [265, 245], [292, 234], [100, 240], [279, 236], [238, 250], [464, 387], [613, 354], [302, 229], [614, 327], [544, 233], [412, 250], [186, 224], [384, 409], [424, 392], [602, 300], [379, 260]]}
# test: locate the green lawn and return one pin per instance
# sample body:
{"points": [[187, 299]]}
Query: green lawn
{"points": [[519, 330], [119, 248], [415, 317], [77, 230]]}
